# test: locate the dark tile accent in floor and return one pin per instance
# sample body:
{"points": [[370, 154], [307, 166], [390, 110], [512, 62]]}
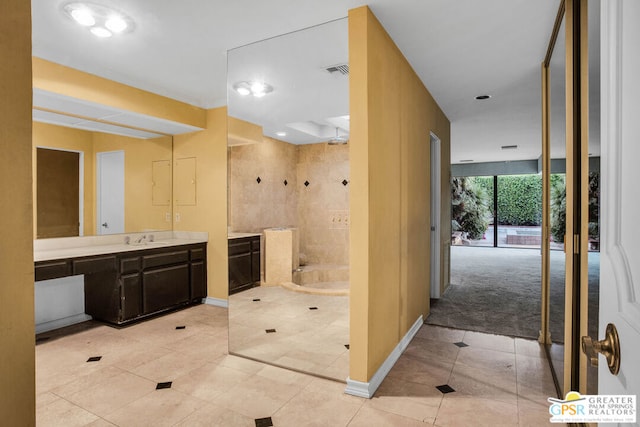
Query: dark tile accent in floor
{"points": [[461, 344], [269, 331], [181, 327], [167, 384], [347, 346], [313, 308], [264, 422], [256, 299], [446, 388], [94, 359]]}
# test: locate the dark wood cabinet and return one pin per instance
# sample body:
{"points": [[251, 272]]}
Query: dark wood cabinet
{"points": [[244, 263], [123, 287]]}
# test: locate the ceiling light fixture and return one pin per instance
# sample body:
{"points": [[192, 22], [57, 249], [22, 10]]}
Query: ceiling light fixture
{"points": [[338, 140], [256, 88], [483, 97], [281, 133], [102, 21]]}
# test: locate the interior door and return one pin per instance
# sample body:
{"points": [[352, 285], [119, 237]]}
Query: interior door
{"points": [[620, 248], [110, 192]]}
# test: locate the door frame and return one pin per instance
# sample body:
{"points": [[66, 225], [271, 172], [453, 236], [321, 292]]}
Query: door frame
{"points": [[436, 204], [574, 13], [80, 183]]}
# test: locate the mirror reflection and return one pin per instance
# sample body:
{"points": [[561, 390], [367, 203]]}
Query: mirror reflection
{"points": [[90, 182], [288, 161], [557, 108]]}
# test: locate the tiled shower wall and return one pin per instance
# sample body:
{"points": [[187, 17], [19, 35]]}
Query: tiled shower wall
{"points": [[320, 209]]}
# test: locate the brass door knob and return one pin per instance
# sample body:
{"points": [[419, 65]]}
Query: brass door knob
{"points": [[609, 347]]}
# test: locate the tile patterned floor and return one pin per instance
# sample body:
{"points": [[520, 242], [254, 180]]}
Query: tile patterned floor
{"points": [[498, 381], [310, 331]]}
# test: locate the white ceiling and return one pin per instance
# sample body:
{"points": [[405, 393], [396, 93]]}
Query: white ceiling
{"points": [[459, 49]]}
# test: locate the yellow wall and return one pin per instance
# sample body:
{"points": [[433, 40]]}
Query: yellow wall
{"points": [[209, 213], [17, 354], [140, 213], [392, 114], [57, 78]]}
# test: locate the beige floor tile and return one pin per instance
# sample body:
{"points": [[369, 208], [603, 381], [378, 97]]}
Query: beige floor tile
{"points": [[428, 349], [209, 381], [284, 376], [439, 333], [171, 366], [240, 363], [43, 399], [477, 382], [257, 397], [113, 393], [214, 415], [489, 341], [100, 422], [89, 380], [529, 348], [315, 408], [533, 413], [159, 408], [459, 410], [492, 360], [534, 377], [368, 417], [429, 372], [137, 354], [63, 413], [413, 400]]}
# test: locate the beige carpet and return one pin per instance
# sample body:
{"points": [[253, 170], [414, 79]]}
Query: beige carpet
{"points": [[497, 290]]}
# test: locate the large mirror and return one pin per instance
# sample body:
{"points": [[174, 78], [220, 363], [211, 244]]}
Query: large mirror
{"points": [[288, 157], [89, 182], [557, 113], [557, 68]]}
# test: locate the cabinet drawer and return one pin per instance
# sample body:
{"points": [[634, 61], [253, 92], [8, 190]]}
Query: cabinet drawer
{"points": [[94, 265], [129, 265], [197, 254], [52, 270], [167, 258], [238, 246]]}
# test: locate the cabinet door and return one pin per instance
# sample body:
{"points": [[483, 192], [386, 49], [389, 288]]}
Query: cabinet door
{"points": [[131, 296], [165, 287], [239, 271], [198, 280], [255, 260]]}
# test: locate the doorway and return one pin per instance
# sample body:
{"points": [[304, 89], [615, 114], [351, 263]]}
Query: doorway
{"points": [[110, 192], [435, 214], [59, 195]]}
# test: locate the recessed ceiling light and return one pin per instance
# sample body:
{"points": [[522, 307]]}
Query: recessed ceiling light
{"points": [[116, 24], [281, 133], [481, 97], [102, 21], [83, 16], [100, 32], [256, 88]]}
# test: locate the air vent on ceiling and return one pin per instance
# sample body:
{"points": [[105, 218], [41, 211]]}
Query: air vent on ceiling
{"points": [[339, 68], [466, 161], [509, 147]]}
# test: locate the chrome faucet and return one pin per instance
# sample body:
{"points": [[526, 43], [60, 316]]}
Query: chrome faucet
{"points": [[140, 240]]}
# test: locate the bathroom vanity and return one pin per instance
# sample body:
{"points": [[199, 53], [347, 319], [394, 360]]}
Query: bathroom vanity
{"points": [[123, 283]]}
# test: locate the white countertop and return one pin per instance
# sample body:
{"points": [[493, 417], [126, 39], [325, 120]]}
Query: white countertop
{"points": [[73, 247]]}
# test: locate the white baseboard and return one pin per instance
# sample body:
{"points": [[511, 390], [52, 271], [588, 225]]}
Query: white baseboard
{"points": [[362, 389], [218, 302], [61, 323]]}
